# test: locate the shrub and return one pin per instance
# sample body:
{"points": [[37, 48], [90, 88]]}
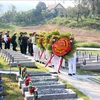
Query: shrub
{"points": [[88, 44]]}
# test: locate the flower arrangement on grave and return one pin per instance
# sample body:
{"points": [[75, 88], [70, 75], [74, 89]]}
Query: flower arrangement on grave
{"points": [[27, 80], [19, 67], [38, 98], [31, 88], [24, 73]]}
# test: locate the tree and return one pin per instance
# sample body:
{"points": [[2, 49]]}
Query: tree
{"points": [[41, 5]]}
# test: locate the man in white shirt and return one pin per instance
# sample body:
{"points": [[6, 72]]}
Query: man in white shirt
{"points": [[5, 40]]}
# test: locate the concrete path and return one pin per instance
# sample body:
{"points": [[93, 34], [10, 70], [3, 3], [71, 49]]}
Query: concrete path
{"points": [[82, 83]]}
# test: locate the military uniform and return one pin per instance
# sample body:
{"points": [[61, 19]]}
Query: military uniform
{"points": [[0, 40], [9, 40], [24, 44], [35, 49], [20, 42], [5, 40], [13, 41], [72, 65]]}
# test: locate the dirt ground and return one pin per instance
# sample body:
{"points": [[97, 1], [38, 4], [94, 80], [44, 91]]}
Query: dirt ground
{"points": [[80, 34]]}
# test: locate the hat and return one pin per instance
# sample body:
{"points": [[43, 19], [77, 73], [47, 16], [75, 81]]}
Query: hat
{"points": [[34, 33], [1, 32], [21, 33], [8, 31], [15, 33]]}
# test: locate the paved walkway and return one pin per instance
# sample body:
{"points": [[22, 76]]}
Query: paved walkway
{"points": [[82, 83]]}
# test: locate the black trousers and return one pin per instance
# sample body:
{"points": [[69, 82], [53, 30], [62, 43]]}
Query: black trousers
{"points": [[14, 46], [30, 49], [8, 45], [21, 50], [5, 45], [0, 45], [24, 48]]}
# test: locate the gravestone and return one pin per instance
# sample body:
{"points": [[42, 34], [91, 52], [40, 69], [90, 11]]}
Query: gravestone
{"points": [[37, 79], [44, 85], [53, 94], [39, 73]]}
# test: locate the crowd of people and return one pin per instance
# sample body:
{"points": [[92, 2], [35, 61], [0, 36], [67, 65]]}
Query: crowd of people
{"points": [[24, 41], [27, 43], [7, 40]]}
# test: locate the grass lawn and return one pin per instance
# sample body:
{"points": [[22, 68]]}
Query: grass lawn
{"points": [[11, 90], [4, 66], [96, 79]]}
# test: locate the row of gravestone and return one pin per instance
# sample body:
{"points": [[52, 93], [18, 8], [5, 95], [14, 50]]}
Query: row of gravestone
{"points": [[88, 61], [1, 88], [14, 57], [43, 86]]}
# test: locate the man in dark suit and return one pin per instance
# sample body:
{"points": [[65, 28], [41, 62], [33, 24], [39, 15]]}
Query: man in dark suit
{"points": [[1, 40], [20, 41], [9, 40], [13, 41], [24, 43]]}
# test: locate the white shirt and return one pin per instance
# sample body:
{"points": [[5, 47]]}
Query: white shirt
{"points": [[33, 40], [5, 38]]}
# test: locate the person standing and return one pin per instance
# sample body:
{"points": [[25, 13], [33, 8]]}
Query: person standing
{"points": [[13, 41], [24, 43], [1, 40], [30, 45], [9, 40], [20, 41], [5, 40], [72, 65], [35, 47]]}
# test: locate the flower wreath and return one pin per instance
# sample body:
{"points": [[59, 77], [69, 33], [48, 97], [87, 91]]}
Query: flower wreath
{"points": [[62, 45], [49, 39], [40, 40]]}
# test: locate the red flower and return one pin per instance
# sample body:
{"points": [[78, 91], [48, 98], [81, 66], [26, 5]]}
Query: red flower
{"points": [[19, 65], [27, 81], [28, 75], [24, 69], [9, 39], [32, 89]]}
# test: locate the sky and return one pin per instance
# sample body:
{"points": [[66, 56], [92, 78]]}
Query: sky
{"points": [[25, 5]]}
